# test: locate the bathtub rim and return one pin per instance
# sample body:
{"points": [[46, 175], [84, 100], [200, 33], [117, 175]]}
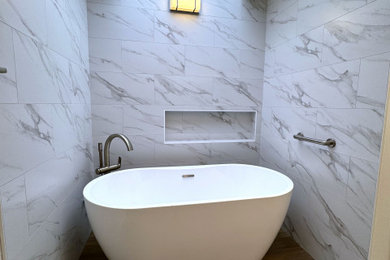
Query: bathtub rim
{"points": [[89, 186]]}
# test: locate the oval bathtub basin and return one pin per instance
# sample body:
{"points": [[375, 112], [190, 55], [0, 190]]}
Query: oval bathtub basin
{"points": [[214, 212]]}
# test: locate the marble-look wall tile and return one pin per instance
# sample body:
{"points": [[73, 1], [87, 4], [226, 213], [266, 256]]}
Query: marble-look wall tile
{"points": [[326, 75], [184, 90], [8, 88], [14, 216], [238, 92], [300, 53], [361, 33], [119, 88], [64, 232], [275, 7], [205, 61], [106, 119], [182, 154], [25, 130], [151, 58], [358, 131], [213, 60], [120, 22], [46, 128], [67, 29], [361, 190], [313, 13], [282, 123], [331, 86], [252, 64], [26, 17], [43, 190], [108, 2], [374, 74], [246, 153], [254, 10], [35, 71], [144, 120], [222, 8], [181, 29], [147, 4], [230, 33], [105, 55], [282, 27], [209, 126]]}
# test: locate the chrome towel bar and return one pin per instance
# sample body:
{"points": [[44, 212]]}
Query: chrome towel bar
{"points": [[329, 142], [3, 70]]}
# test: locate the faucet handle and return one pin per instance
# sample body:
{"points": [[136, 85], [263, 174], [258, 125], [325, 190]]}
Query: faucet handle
{"points": [[100, 150], [119, 161]]}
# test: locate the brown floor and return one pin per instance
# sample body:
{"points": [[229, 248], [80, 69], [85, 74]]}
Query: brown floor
{"points": [[283, 248]]}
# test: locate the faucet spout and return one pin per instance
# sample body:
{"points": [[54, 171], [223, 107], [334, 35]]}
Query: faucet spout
{"points": [[107, 145]]}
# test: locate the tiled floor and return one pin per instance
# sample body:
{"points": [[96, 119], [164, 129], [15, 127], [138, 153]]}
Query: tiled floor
{"points": [[284, 248]]}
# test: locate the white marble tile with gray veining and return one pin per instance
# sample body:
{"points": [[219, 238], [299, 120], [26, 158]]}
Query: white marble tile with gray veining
{"points": [[147, 4], [140, 120], [183, 154], [333, 87], [313, 13], [270, 152], [300, 53], [106, 120], [205, 61], [254, 10], [237, 92], [108, 2], [361, 33], [184, 91], [36, 71], [222, 8], [119, 88], [72, 126], [105, 55], [78, 87], [8, 88], [275, 7], [120, 22], [26, 17], [373, 82], [247, 153], [63, 232], [209, 126], [188, 29], [14, 217], [43, 190], [358, 132], [231, 33], [153, 58], [327, 170], [282, 123], [361, 189], [67, 30], [28, 133], [282, 27], [252, 64]]}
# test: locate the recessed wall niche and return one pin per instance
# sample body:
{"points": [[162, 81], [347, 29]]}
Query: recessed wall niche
{"points": [[213, 126]]}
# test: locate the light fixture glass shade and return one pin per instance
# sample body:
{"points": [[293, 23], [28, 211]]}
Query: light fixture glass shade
{"points": [[192, 6]]}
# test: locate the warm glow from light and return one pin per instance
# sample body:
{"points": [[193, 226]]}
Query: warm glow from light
{"points": [[192, 6]]}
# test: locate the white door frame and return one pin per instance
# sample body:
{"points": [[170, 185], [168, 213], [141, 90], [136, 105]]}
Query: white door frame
{"points": [[380, 235]]}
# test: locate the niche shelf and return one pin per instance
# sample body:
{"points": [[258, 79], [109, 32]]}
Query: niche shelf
{"points": [[209, 126]]}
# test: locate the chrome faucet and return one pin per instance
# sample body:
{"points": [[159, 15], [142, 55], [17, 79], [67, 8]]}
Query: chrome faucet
{"points": [[107, 167]]}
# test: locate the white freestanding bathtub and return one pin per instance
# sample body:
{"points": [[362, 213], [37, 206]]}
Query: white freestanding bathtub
{"points": [[222, 212]]}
